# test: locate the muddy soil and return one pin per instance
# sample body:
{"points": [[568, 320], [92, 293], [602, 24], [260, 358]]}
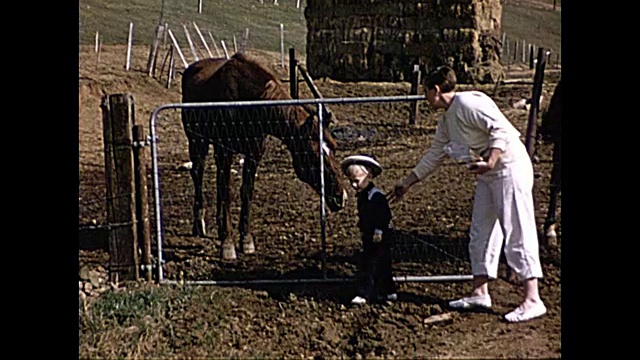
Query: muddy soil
{"points": [[432, 221]]}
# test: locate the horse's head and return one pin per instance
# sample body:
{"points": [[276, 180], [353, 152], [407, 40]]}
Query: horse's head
{"points": [[305, 151]]}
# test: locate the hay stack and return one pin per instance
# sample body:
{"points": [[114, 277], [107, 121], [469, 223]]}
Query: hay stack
{"points": [[381, 40]]}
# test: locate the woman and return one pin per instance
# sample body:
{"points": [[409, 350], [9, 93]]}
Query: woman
{"points": [[503, 204]]}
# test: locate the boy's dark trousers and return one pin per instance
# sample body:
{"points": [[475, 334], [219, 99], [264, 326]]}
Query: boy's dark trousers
{"points": [[375, 278]]}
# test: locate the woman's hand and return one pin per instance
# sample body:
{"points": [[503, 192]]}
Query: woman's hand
{"points": [[479, 167], [401, 187], [397, 192]]}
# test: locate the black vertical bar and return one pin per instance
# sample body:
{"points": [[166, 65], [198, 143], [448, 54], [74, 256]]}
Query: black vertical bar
{"points": [[531, 56], [293, 73], [535, 101]]}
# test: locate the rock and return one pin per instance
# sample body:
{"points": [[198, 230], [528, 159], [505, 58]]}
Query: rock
{"points": [[81, 285], [88, 287], [446, 317], [131, 329], [82, 295], [84, 273], [95, 278], [185, 166]]}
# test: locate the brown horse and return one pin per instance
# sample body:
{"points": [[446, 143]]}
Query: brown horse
{"points": [[549, 131], [244, 131]]}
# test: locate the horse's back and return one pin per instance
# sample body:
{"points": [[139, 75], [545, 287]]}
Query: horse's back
{"points": [[197, 75], [237, 78]]}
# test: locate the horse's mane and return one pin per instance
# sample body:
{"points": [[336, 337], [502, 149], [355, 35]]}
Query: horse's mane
{"points": [[274, 89]]}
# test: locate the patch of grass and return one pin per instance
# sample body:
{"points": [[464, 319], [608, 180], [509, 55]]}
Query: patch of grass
{"points": [[223, 18], [226, 18], [123, 307], [156, 322], [535, 26]]}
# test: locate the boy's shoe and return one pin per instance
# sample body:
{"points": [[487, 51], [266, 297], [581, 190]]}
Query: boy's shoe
{"points": [[392, 297], [358, 300], [472, 302]]}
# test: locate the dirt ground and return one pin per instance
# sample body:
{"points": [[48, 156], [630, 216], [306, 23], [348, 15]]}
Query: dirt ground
{"points": [[317, 320]]}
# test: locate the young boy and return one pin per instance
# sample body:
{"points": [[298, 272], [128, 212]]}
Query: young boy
{"points": [[375, 280]]}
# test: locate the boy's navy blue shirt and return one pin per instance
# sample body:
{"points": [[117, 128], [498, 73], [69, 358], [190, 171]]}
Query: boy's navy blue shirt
{"points": [[374, 213]]}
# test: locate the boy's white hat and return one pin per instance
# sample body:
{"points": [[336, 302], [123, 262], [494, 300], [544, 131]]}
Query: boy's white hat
{"points": [[364, 160]]}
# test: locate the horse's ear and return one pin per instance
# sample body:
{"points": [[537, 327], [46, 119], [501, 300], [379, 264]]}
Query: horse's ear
{"points": [[307, 126], [309, 109]]}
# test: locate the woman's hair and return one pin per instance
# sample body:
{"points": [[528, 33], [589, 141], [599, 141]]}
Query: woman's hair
{"points": [[443, 76]]}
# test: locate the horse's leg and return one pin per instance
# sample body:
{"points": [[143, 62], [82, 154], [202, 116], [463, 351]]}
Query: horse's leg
{"points": [[551, 239], [223, 205], [197, 154], [246, 192]]}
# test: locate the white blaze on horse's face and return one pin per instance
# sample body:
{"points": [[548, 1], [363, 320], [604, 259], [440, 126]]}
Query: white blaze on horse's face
{"points": [[326, 149]]}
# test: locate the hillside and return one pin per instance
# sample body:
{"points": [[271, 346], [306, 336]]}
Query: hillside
{"points": [[531, 20]]}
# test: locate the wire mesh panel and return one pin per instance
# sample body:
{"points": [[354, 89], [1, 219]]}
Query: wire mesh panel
{"points": [[276, 147], [285, 217]]}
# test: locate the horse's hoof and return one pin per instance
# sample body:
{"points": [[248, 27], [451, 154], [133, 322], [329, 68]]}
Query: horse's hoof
{"points": [[228, 252], [248, 247]]}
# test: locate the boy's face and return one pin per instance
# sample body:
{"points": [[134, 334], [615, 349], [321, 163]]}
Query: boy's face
{"points": [[358, 178]]}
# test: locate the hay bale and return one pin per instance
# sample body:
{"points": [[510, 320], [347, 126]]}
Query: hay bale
{"points": [[376, 40]]}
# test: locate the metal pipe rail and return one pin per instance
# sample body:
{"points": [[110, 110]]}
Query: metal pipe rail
{"points": [[255, 103], [399, 279]]}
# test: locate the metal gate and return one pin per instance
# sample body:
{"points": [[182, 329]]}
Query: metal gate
{"points": [[418, 248]]}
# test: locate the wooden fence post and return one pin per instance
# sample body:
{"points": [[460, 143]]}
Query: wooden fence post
{"points": [[98, 53], [282, 45], [193, 49], [530, 56], [415, 89], [535, 101], [293, 73], [177, 48], [153, 52], [224, 48], [142, 204], [245, 37], [214, 44], [204, 42], [127, 66], [164, 35], [314, 90], [171, 67], [117, 117]]}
